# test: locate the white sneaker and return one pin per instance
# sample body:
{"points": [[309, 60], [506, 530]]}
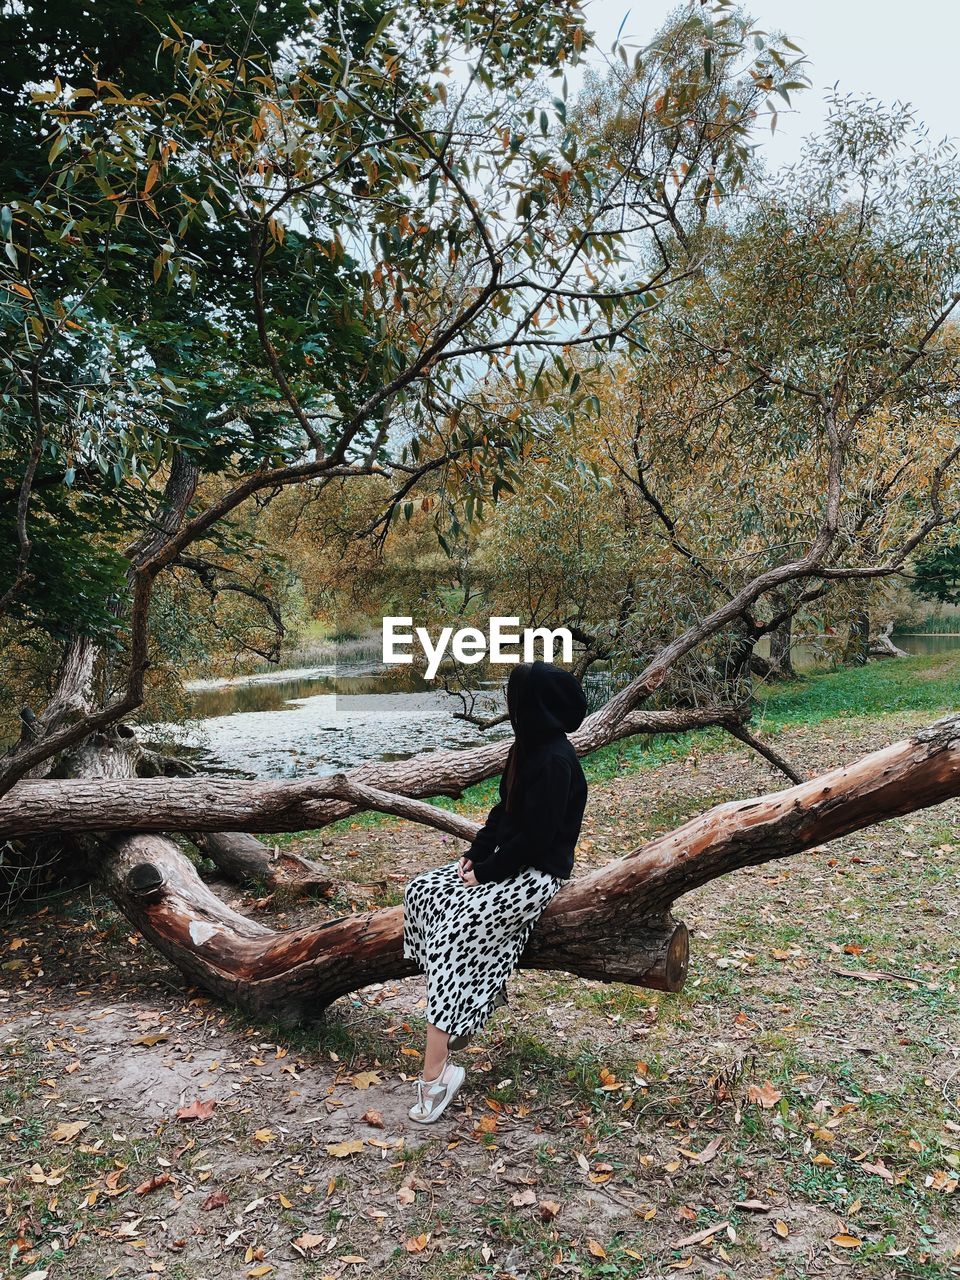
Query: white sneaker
{"points": [[435, 1096]]}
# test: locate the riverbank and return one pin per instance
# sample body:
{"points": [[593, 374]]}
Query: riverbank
{"points": [[795, 1112]]}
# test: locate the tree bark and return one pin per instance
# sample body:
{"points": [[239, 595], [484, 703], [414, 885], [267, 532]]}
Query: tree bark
{"points": [[781, 642], [613, 924], [246, 860]]}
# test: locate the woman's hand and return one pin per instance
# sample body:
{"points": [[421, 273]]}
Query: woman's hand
{"points": [[465, 871]]}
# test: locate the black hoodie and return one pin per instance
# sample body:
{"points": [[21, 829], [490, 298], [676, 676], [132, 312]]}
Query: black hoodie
{"points": [[542, 825]]}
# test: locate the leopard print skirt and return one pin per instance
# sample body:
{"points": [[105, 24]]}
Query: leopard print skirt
{"points": [[468, 939]]}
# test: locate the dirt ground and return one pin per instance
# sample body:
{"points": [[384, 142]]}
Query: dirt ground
{"points": [[795, 1112]]}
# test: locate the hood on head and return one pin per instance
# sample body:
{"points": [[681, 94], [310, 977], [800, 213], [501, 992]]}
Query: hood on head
{"points": [[543, 699]]}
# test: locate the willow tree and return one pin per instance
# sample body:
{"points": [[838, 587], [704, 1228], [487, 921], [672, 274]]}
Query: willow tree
{"points": [[295, 267], [798, 390]]}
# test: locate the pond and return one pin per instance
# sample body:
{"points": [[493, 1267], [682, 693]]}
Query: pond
{"points": [[320, 718], [345, 708]]}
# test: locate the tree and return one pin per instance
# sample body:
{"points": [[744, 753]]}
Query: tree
{"points": [[937, 573], [380, 245]]}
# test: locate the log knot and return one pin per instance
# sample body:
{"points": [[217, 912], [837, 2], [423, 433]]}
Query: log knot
{"points": [[145, 882]]}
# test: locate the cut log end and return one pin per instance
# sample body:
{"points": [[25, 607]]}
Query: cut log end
{"points": [[652, 957], [676, 961]]}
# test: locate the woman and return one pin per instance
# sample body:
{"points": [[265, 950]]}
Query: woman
{"points": [[467, 923]]}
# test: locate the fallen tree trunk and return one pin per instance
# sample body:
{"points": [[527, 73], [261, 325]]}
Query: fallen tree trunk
{"points": [[246, 860], [229, 804], [292, 974], [614, 924], [883, 647]]}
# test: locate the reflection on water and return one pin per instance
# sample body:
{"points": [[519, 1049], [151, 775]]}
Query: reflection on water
{"points": [[318, 719], [807, 657], [926, 644], [280, 689]]}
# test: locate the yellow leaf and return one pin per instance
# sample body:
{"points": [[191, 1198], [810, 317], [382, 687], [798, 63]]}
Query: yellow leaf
{"points": [[287, 1204], [822, 1158], [348, 1148], [264, 1135], [416, 1243], [781, 1228], [596, 1248], [845, 1241]]}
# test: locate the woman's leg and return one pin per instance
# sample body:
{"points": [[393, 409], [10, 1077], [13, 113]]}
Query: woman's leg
{"points": [[435, 1057]]}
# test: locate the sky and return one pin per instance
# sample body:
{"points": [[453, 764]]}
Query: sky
{"points": [[881, 47]]}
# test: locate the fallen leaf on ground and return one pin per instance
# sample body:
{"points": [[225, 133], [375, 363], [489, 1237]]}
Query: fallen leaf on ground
{"points": [[67, 1131], [766, 1095], [415, 1244], [364, 1079], [708, 1152], [549, 1209], [155, 1037], [880, 1170], [308, 1240], [264, 1135], [152, 1184], [215, 1200], [845, 1241], [596, 1248], [373, 1118], [198, 1110], [712, 1230], [349, 1148]]}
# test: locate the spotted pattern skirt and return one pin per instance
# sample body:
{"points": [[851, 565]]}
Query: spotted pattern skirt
{"points": [[468, 939]]}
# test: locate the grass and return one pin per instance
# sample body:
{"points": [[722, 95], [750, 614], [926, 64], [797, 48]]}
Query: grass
{"points": [[595, 1098], [920, 683]]}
